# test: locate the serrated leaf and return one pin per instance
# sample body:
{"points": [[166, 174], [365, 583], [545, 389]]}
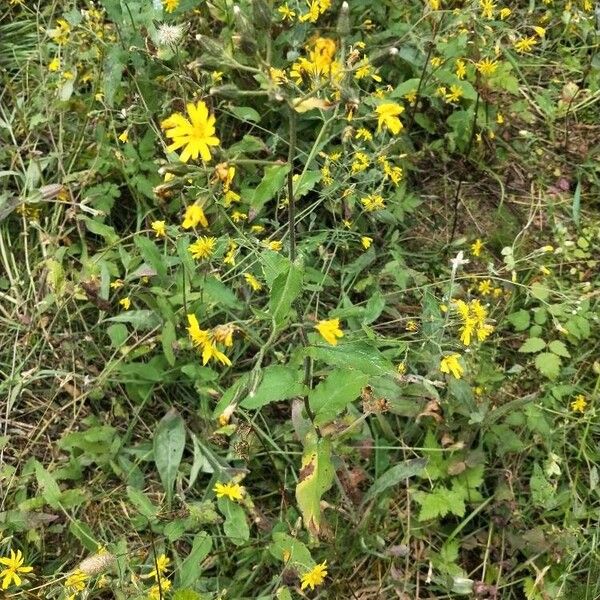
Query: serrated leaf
{"points": [[394, 476], [151, 254], [169, 442], [315, 478], [48, 487], [272, 182], [548, 364], [559, 348], [305, 183], [291, 551], [142, 503], [360, 356], [235, 525], [533, 344], [190, 571], [542, 492], [333, 394], [540, 291], [519, 320], [285, 290], [278, 383]]}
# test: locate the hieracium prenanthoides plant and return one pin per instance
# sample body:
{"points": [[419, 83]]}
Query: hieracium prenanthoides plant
{"points": [[233, 195]]}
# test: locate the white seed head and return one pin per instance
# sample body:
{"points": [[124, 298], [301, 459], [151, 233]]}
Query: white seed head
{"points": [[168, 35]]}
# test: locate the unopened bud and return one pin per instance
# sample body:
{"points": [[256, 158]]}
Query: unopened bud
{"points": [[343, 24]]}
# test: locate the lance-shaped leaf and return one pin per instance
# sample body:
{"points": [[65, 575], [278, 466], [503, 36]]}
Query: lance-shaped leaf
{"points": [[169, 442], [286, 287], [316, 477]]}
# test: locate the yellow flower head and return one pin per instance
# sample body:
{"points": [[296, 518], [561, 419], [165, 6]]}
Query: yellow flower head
{"points": [[76, 581], [54, 64], [366, 242], [525, 45], [387, 116], [170, 5], [477, 247], [287, 14], [160, 567], [372, 202], [330, 330], [579, 404], [233, 491], [13, 566], [451, 365], [202, 339], [203, 247], [314, 577], [157, 591], [253, 282], [487, 67], [125, 303], [194, 135], [159, 228]]}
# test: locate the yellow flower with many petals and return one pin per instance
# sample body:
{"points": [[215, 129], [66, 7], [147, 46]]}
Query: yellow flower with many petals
{"points": [[330, 330], [13, 568], [254, 283], [76, 581], [159, 228], [170, 5], [54, 64], [233, 491], [203, 247], [366, 242], [287, 14], [157, 592], [525, 45], [125, 303], [579, 404], [387, 116], [486, 67], [195, 135], [477, 247], [203, 340], [160, 567], [450, 364], [314, 577], [194, 216]]}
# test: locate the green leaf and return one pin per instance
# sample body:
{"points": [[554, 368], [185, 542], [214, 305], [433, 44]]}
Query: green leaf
{"points": [[285, 289], [559, 348], [98, 228], [548, 364], [306, 183], [49, 488], [151, 254], [439, 503], [138, 319], [539, 291], [142, 503], [186, 594], [168, 338], [278, 383], [235, 525], [245, 113], [169, 442], [332, 395], [542, 492], [272, 182], [519, 320], [113, 71], [190, 571], [394, 476], [533, 344], [315, 478], [360, 356], [291, 551], [118, 334], [576, 206]]}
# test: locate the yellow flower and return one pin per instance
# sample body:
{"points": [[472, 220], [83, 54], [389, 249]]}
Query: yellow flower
{"points": [[477, 247], [216, 76], [157, 591], [233, 491], [61, 33], [401, 368], [54, 64], [160, 567], [360, 163], [525, 45], [486, 67], [372, 202], [194, 216], [203, 247], [435, 4], [229, 258], [253, 282], [500, 118], [202, 339], [454, 94], [275, 245], [412, 326], [14, 566], [257, 228], [314, 577], [313, 12], [505, 12], [76, 581], [387, 116], [159, 228], [330, 330], [124, 137], [436, 61], [449, 364], [170, 5], [116, 284], [287, 14], [473, 316], [487, 8], [541, 32], [579, 404], [277, 76], [366, 242], [363, 134], [485, 287], [125, 303], [461, 68], [194, 135], [237, 216]]}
